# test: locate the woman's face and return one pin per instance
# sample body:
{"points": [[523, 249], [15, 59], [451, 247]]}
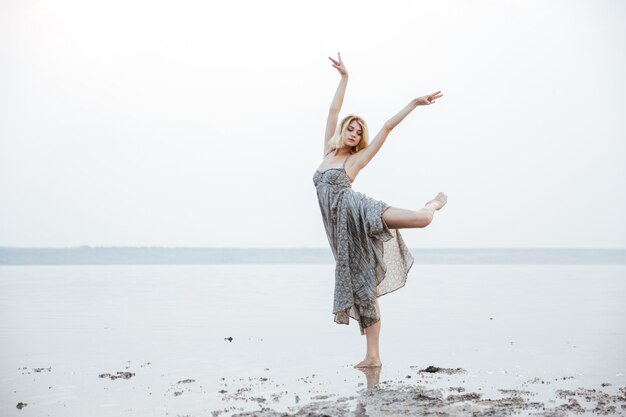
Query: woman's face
{"points": [[352, 134]]}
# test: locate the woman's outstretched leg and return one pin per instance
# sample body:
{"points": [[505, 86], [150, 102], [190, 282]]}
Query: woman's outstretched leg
{"points": [[397, 218], [372, 334]]}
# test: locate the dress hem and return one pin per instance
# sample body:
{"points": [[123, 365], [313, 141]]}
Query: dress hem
{"points": [[377, 296]]}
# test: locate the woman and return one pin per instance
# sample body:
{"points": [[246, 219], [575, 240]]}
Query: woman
{"points": [[371, 257]]}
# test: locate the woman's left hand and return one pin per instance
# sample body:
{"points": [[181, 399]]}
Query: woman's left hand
{"points": [[338, 63], [429, 99]]}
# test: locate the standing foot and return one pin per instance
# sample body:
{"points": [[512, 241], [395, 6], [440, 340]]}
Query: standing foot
{"points": [[438, 202], [369, 362]]}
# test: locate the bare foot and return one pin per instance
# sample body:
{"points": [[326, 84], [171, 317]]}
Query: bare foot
{"points": [[438, 202], [369, 362]]}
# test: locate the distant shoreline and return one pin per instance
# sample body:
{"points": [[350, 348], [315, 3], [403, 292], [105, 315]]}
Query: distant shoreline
{"points": [[88, 255]]}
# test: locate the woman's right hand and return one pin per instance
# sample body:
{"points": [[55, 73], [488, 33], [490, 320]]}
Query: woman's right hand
{"points": [[339, 65]]}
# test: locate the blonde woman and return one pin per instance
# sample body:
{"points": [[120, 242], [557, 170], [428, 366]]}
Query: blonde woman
{"points": [[371, 256]]}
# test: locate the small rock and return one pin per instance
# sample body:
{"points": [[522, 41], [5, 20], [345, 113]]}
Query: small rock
{"points": [[435, 369], [21, 405]]}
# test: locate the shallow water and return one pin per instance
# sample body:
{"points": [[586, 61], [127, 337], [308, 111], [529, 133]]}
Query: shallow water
{"points": [[503, 324]]}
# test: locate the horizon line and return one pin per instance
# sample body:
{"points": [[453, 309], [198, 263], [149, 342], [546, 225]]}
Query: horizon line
{"points": [[303, 247]]}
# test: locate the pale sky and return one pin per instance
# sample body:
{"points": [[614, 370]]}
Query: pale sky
{"points": [[195, 123]]}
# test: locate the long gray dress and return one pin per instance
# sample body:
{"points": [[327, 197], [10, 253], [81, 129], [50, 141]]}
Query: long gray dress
{"points": [[371, 259]]}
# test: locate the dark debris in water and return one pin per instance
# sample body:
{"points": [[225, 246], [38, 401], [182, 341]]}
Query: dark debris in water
{"points": [[186, 381], [118, 375], [37, 370]]}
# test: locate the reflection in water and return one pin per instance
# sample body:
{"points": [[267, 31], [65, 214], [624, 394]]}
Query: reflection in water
{"points": [[372, 376]]}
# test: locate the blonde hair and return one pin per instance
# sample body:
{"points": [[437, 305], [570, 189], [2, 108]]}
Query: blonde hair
{"points": [[336, 143]]}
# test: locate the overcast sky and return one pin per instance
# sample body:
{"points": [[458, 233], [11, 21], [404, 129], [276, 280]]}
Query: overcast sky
{"points": [[195, 123]]}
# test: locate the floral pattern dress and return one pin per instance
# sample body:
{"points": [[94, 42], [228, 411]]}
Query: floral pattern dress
{"points": [[371, 259]]}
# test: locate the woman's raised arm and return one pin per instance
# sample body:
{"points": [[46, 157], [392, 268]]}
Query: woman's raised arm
{"points": [[335, 106], [363, 157]]}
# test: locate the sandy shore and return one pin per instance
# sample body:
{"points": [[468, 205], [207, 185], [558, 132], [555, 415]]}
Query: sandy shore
{"points": [[441, 392], [430, 391]]}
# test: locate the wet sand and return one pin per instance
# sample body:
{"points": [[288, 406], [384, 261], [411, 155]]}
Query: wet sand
{"points": [[426, 392], [246, 340]]}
